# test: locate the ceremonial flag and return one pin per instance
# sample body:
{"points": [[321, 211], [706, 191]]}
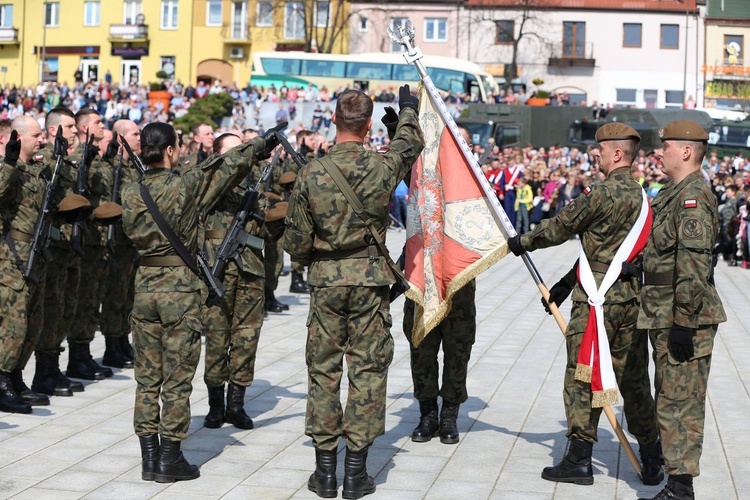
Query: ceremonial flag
{"points": [[452, 235]]}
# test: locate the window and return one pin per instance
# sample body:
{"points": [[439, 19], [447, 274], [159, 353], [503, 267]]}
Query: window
{"points": [[574, 39], [239, 19], [52, 14], [631, 34], [673, 99], [6, 15], [670, 36], [130, 11], [396, 22], [405, 72], [50, 66], [322, 14], [733, 49], [273, 66], [626, 97], [331, 69], [265, 14], [374, 71], [504, 32], [435, 29], [294, 21], [91, 13], [213, 13], [169, 14], [167, 65], [363, 24], [448, 79]]}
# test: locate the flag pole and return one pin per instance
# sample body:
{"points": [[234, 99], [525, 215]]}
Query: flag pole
{"points": [[413, 55]]}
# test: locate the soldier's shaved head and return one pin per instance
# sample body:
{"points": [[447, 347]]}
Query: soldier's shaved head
{"points": [[353, 112]]}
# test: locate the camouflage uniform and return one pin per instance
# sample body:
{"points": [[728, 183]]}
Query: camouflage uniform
{"points": [[602, 218], [682, 238], [21, 195], [166, 317], [349, 303], [117, 300], [273, 254], [456, 333]]}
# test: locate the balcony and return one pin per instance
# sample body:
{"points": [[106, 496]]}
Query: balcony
{"points": [[567, 55], [235, 33], [128, 33], [9, 36]]}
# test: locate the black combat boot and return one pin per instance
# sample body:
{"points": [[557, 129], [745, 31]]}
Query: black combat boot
{"points": [[172, 466], [78, 363], [27, 395], [114, 355], [149, 455], [652, 460], [428, 421], [270, 304], [448, 427], [678, 487], [215, 417], [323, 480], [284, 307], [126, 348], [575, 466], [236, 407], [96, 366], [356, 481], [298, 284], [45, 377], [9, 400]]}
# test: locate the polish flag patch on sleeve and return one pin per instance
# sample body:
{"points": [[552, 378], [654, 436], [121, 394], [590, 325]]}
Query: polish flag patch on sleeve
{"points": [[691, 203], [587, 190]]}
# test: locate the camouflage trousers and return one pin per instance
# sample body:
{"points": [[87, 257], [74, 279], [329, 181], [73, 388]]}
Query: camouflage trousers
{"points": [[119, 291], [167, 343], [35, 325], [351, 321], [681, 400], [233, 329], [273, 262], [15, 295], [296, 267], [456, 333], [61, 288], [629, 349], [93, 276]]}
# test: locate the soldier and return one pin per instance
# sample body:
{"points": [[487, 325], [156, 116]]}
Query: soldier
{"points": [[94, 261], [201, 147], [166, 317], [21, 193], [350, 296], [279, 191], [456, 333], [603, 216], [62, 279], [233, 325], [117, 300], [5, 128], [679, 303]]}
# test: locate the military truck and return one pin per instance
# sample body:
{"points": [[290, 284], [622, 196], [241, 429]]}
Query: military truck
{"points": [[729, 138]]}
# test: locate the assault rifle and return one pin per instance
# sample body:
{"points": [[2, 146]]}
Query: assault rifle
{"points": [[40, 239], [134, 158], [115, 198], [76, 240], [296, 156]]}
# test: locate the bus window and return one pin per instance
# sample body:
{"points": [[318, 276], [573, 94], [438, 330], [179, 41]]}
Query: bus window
{"points": [[374, 71], [472, 88], [273, 66], [447, 79], [332, 69], [508, 135], [405, 73]]}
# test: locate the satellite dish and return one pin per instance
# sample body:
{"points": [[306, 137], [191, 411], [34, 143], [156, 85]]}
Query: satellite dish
{"points": [[140, 20]]}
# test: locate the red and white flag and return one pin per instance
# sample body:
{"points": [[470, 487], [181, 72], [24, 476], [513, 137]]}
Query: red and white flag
{"points": [[452, 235]]}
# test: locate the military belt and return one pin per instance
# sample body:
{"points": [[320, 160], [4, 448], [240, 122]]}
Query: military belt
{"points": [[19, 236], [352, 253], [164, 261], [598, 267], [215, 234], [658, 279]]}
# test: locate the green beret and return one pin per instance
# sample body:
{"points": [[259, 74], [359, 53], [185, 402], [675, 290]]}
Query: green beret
{"points": [[683, 130], [616, 132]]}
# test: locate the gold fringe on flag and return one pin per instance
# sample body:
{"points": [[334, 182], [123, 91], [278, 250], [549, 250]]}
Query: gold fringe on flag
{"points": [[583, 373], [602, 399]]}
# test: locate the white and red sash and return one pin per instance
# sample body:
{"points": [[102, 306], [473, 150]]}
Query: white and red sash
{"points": [[594, 357], [510, 184]]}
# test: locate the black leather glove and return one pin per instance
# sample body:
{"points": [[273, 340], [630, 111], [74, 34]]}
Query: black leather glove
{"points": [[91, 151], [562, 289], [112, 148], [321, 152], [680, 343], [271, 140], [202, 155], [631, 270], [406, 100], [61, 144], [390, 120], [514, 244], [304, 150], [12, 149]]}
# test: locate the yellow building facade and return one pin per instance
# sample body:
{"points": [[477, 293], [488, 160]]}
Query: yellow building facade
{"points": [[132, 40]]}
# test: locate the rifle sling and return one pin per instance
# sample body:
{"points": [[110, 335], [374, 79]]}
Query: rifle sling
{"points": [[356, 205], [167, 231]]}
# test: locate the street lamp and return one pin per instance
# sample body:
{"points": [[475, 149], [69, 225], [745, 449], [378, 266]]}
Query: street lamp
{"points": [[684, 73], [43, 62]]}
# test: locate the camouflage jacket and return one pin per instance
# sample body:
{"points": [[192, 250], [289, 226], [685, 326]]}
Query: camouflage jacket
{"points": [[601, 216], [181, 198], [320, 219], [21, 195], [66, 184], [99, 180], [129, 175], [683, 234]]}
